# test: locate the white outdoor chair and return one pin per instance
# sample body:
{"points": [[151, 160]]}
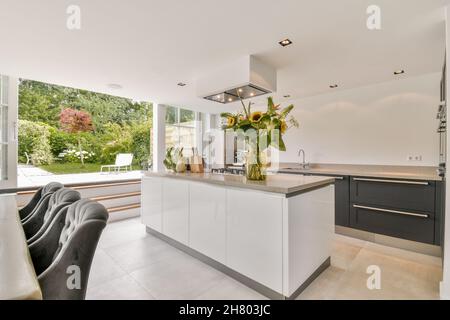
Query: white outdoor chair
{"points": [[123, 160]]}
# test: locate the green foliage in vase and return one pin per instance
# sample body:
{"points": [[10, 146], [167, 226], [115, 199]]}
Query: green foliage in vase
{"points": [[264, 123], [172, 156]]}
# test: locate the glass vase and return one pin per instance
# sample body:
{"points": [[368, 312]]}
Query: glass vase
{"points": [[254, 166]]}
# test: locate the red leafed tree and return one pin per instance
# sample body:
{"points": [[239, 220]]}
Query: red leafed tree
{"points": [[76, 121]]}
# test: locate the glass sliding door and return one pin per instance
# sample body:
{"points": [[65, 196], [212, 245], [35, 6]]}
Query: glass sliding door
{"points": [[8, 132]]}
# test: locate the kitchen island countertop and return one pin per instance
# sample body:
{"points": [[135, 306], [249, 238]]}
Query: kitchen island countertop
{"points": [[275, 183]]}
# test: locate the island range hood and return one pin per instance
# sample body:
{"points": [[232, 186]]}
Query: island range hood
{"points": [[244, 78]]}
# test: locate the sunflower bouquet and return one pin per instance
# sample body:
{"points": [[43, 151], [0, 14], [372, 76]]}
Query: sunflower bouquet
{"points": [[267, 128]]}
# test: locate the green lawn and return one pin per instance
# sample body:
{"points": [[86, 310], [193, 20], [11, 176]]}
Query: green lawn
{"points": [[67, 168]]}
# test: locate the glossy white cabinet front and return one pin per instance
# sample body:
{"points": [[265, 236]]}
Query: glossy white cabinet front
{"points": [[176, 210], [255, 236], [276, 241], [151, 200], [207, 220]]}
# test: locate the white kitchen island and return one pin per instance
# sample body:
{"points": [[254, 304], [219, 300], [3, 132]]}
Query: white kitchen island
{"points": [[274, 236]]}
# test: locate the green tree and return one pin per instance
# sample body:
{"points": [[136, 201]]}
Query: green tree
{"points": [[75, 122], [34, 141]]}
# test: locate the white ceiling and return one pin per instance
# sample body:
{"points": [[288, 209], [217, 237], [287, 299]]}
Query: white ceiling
{"points": [[149, 46]]}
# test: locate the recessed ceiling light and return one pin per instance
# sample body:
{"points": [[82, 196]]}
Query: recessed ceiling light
{"points": [[285, 42], [252, 94], [397, 72], [286, 96], [333, 86], [114, 86], [240, 90], [181, 84], [230, 99]]}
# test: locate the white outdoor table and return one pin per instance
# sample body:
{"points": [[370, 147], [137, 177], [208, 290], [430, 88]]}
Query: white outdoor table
{"points": [[18, 278]]}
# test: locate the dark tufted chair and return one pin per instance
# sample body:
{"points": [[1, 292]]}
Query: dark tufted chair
{"points": [[39, 221], [39, 199], [68, 244]]}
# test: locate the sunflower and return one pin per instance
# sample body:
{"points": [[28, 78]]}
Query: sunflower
{"points": [[255, 116], [231, 121], [283, 127]]}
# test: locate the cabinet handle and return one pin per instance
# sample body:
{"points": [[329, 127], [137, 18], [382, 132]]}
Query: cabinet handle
{"points": [[392, 211], [423, 183], [339, 178]]}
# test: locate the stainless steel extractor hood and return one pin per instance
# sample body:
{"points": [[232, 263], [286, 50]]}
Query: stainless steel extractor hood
{"points": [[245, 78]]}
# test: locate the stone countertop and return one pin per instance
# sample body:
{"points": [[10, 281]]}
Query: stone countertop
{"points": [[377, 171], [275, 183]]}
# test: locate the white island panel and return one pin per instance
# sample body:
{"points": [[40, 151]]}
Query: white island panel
{"points": [[254, 236], [207, 220], [176, 210], [151, 200], [309, 228]]}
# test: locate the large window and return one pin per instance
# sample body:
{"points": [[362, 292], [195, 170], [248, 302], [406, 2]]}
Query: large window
{"points": [[3, 127], [181, 129], [8, 134]]}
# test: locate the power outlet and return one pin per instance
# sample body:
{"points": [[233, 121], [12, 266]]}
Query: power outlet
{"points": [[414, 158]]}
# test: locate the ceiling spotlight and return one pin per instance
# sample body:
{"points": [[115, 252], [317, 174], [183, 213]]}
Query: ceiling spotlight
{"points": [[240, 90], [397, 72], [286, 96], [230, 99], [285, 42], [333, 86], [181, 84], [114, 86], [252, 94]]}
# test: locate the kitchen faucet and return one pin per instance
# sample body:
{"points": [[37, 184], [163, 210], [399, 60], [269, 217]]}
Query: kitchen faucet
{"points": [[303, 164]]}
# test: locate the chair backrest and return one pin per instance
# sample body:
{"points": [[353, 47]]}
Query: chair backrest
{"points": [[124, 159], [72, 252], [38, 198], [51, 187], [36, 225]]}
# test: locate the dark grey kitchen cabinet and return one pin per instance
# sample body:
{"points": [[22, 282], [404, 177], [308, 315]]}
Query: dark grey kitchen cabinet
{"points": [[440, 208], [393, 222], [400, 208], [406, 194], [342, 200]]}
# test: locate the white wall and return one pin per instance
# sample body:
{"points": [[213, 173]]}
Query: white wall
{"points": [[378, 124]]}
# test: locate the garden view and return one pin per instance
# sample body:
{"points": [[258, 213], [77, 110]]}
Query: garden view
{"points": [[64, 130]]}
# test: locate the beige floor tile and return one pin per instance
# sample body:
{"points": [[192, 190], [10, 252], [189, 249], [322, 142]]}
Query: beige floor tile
{"points": [[131, 264], [103, 269], [180, 277], [404, 254], [400, 278], [123, 288], [343, 254], [324, 286], [114, 235], [140, 253], [230, 289]]}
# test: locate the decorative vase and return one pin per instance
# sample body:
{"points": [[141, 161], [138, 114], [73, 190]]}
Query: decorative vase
{"points": [[181, 166], [254, 164]]}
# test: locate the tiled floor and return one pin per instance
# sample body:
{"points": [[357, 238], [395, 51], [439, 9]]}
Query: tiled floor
{"points": [[131, 264]]}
